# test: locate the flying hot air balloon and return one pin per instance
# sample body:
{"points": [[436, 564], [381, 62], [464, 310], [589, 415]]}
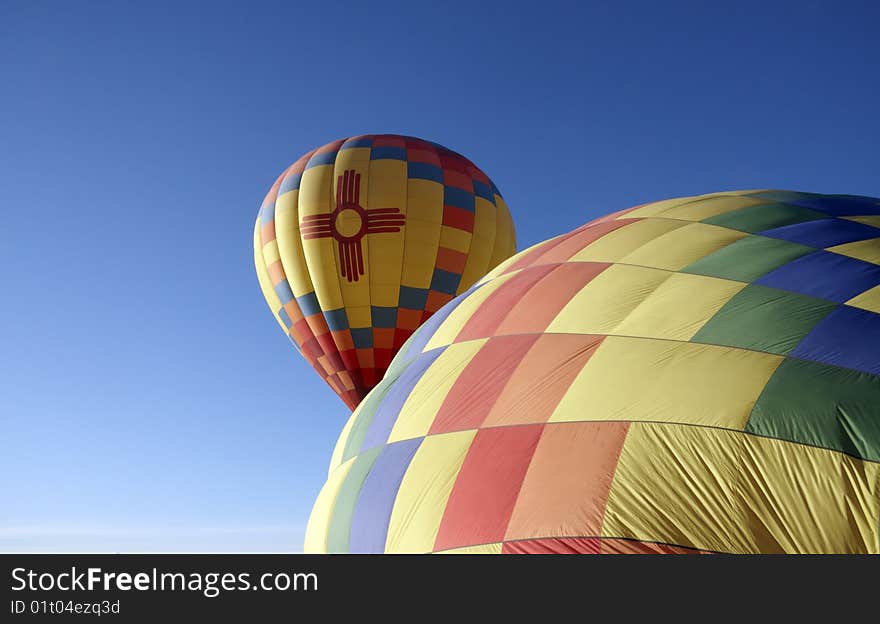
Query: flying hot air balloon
{"points": [[360, 241], [696, 375]]}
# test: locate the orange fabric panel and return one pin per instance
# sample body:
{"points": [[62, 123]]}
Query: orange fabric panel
{"points": [[542, 378], [539, 306], [566, 486]]}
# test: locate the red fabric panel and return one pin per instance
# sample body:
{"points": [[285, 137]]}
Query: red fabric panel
{"points": [[491, 313], [487, 486], [479, 385], [456, 217], [554, 546]]}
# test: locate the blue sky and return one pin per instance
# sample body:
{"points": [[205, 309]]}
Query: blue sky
{"points": [[148, 401]]}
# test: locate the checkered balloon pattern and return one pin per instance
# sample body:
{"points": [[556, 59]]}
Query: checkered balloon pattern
{"points": [[696, 375], [360, 241]]}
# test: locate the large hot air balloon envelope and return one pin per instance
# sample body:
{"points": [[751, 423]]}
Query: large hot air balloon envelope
{"points": [[688, 376], [360, 241]]}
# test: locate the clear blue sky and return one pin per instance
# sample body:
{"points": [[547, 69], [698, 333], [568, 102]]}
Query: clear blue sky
{"points": [[148, 401]]}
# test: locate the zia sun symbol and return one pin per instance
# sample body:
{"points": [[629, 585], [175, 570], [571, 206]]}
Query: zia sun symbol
{"points": [[349, 223]]}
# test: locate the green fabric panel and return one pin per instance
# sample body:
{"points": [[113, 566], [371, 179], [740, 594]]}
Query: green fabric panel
{"points": [[368, 409], [821, 405], [340, 523], [764, 217], [764, 319], [748, 258], [403, 357]]}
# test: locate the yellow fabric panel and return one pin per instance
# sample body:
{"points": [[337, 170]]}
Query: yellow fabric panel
{"points": [[505, 237], [655, 208], [314, 191], [339, 449], [679, 248], [679, 307], [643, 379], [386, 295], [700, 209], [868, 300], [614, 246], [319, 520], [867, 250], [453, 238], [425, 488], [270, 252], [733, 492], [269, 294], [359, 316], [678, 485], [316, 197], [290, 245], [354, 293], [424, 401], [388, 181], [452, 325], [482, 244], [607, 300], [873, 220], [480, 549], [809, 500], [287, 202], [424, 201]]}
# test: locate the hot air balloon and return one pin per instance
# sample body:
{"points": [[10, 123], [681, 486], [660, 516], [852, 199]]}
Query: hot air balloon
{"points": [[359, 241], [696, 375]]}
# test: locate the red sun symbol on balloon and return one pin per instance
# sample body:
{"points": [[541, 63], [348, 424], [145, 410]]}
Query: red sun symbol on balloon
{"points": [[349, 223]]}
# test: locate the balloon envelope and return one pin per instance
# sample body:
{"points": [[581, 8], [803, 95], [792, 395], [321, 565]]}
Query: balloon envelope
{"points": [[693, 375], [360, 241]]}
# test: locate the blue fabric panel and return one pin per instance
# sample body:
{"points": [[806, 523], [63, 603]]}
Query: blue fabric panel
{"points": [[337, 320], [413, 298], [454, 196], [324, 158], [372, 512], [290, 183], [285, 317], [848, 337], [445, 282], [824, 232], [424, 171], [282, 289], [389, 409], [362, 337], [359, 142], [308, 304], [384, 316], [825, 275], [481, 190], [388, 153], [267, 213], [840, 205]]}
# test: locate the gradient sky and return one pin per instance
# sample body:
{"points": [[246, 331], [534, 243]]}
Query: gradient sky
{"points": [[148, 400]]}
